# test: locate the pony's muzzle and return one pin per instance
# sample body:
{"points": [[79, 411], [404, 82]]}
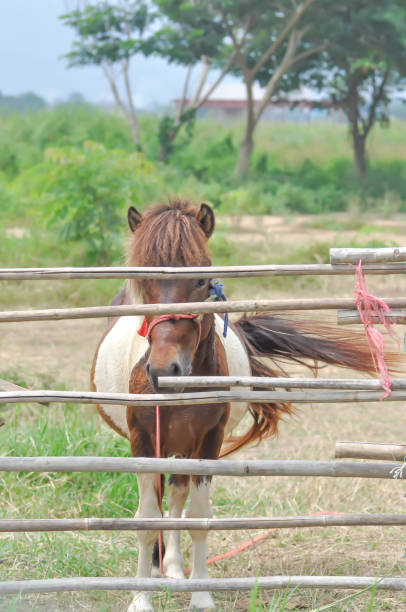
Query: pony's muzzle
{"points": [[174, 369]]}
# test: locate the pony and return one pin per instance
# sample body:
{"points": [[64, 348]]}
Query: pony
{"points": [[176, 234]]}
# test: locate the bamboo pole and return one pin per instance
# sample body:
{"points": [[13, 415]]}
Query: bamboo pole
{"points": [[165, 524], [266, 382], [90, 312], [195, 272], [207, 584], [197, 398], [351, 317], [367, 256], [368, 450], [202, 467]]}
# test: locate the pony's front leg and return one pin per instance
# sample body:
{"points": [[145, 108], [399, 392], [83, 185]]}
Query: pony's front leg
{"points": [[177, 492], [200, 507], [147, 508]]}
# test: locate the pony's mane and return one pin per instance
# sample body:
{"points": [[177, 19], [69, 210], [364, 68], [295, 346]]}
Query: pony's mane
{"points": [[169, 235]]}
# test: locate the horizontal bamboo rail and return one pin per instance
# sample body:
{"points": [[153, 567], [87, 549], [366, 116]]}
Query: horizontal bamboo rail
{"points": [[91, 312], [201, 467], [194, 272], [209, 584], [351, 317], [368, 450], [206, 524], [367, 256], [266, 382], [197, 398]]}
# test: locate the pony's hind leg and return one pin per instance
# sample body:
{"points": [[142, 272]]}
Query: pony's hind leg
{"points": [[200, 507], [177, 492], [147, 508]]}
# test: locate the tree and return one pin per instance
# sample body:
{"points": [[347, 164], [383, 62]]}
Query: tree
{"points": [[109, 35], [190, 36], [246, 37], [268, 39], [363, 62]]}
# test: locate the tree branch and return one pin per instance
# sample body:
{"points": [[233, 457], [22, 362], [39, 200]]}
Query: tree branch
{"points": [[301, 56], [114, 89], [223, 73], [289, 26], [375, 101], [202, 80], [183, 101], [277, 75], [131, 111]]}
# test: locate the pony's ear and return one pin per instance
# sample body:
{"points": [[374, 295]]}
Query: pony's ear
{"points": [[205, 217], [134, 218]]}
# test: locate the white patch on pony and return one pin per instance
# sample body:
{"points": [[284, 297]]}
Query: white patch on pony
{"points": [[147, 508], [123, 347], [199, 506], [238, 365], [175, 498], [120, 350]]}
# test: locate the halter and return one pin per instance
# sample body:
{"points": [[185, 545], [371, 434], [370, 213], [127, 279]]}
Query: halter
{"points": [[145, 329], [215, 294]]}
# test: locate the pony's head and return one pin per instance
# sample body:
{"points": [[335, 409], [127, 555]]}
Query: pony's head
{"points": [[171, 235]]}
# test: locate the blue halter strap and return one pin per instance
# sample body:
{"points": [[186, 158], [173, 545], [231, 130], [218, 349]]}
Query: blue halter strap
{"points": [[216, 294]]}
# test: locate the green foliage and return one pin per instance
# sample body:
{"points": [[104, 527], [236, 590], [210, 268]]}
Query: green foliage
{"points": [[169, 128], [84, 194], [106, 32]]}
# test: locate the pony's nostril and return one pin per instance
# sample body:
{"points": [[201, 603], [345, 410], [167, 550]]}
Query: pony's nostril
{"points": [[175, 369], [148, 368]]}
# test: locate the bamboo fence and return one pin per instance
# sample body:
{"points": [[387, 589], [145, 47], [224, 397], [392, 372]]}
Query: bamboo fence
{"points": [[209, 584], [205, 524], [367, 256], [197, 398], [195, 272], [376, 261], [204, 467], [91, 312], [288, 383], [368, 450], [351, 317]]}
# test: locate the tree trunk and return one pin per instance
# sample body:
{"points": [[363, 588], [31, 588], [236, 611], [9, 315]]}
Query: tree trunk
{"points": [[247, 143], [244, 154], [131, 109], [358, 142], [353, 114]]}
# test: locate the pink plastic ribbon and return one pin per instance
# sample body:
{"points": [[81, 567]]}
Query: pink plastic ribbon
{"points": [[369, 308]]}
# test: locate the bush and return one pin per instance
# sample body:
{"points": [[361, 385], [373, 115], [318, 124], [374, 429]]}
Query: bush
{"points": [[84, 193]]}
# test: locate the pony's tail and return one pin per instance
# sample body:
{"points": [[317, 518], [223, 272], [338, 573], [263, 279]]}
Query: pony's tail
{"points": [[300, 341]]}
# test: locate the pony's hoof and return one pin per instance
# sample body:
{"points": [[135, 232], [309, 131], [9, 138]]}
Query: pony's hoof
{"points": [[201, 601], [141, 603]]}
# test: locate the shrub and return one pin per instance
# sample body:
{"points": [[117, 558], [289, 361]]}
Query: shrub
{"points": [[83, 193]]}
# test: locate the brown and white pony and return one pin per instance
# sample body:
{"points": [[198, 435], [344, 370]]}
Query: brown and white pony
{"points": [[176, 235]]}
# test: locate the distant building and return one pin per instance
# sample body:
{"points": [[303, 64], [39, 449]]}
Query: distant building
{"points": [[229, 103]]}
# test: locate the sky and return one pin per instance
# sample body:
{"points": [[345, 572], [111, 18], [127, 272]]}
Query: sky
{"points": [[32, 39]]}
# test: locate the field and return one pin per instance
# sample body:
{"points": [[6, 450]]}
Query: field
{"points": [[297, 170], [54, 355]]}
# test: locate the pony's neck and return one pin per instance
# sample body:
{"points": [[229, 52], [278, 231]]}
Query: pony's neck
{"points": [[205, 359]]}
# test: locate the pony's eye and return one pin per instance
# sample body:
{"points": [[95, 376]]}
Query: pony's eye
{"points": [[201, 283]]}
